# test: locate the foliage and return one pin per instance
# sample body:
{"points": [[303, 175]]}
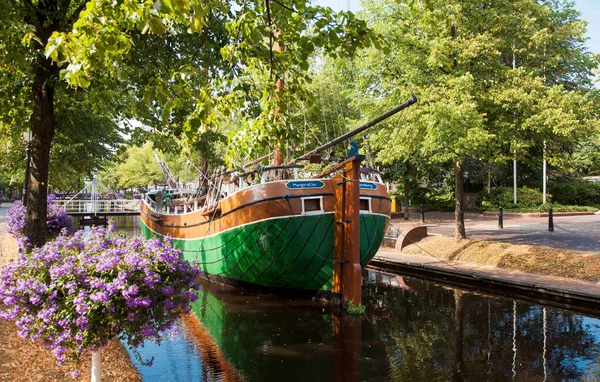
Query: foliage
{"points": [[431, 196], [510, 207], [57, 220], [502, 196], [489, 85], [137, 167], [200, 46], [77, 294], [576, 191], [586, 157], [357, 310]]}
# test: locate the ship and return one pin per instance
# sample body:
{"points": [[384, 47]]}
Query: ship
{"points": [[270, 228]]}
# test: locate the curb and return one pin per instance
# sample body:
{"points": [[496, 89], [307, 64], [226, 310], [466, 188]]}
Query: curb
{"points": [[588, 303]]}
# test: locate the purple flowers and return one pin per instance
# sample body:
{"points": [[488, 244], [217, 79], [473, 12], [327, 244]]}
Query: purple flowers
{"points": [[77, 294], [57, 220]]}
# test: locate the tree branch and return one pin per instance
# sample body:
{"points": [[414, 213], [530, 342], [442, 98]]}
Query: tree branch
{"points": [[69, 21], [270, 38], [285, 6]]}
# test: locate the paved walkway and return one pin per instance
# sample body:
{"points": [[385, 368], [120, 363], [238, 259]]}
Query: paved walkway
{"points": [[480, 271], [570, 232]]}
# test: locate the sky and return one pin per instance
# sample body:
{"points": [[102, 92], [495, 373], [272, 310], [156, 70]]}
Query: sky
{"points": [[590, 12]]}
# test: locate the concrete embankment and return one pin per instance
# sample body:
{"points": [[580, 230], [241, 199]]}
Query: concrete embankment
{"points": [[544, 275]]}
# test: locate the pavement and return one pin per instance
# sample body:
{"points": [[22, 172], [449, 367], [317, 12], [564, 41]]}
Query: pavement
{"points": [[580, 232]]}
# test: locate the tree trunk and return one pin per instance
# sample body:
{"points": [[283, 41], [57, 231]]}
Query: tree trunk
{"points": [[460, 197], [42, 132], [405, 200]]}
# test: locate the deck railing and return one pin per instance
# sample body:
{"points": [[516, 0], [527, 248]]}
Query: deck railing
{"points": [[169, 209]]}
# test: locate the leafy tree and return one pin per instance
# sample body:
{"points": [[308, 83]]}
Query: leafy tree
{"points": [[586, 158], [137, 167], [76, 41], [490, 79]]}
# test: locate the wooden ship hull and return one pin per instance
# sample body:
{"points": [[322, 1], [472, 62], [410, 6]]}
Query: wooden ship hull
{"points": [[275, 236], [280, 235]]}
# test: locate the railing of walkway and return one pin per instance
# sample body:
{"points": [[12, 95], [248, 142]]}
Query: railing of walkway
{"points": [[108, 207]]}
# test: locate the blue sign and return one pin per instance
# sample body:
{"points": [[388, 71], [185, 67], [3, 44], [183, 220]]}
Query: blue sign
{"points": [[368, 185], [304, 184]]}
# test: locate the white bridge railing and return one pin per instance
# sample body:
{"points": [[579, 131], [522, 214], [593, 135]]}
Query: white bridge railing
{"points": [[108, 207]]}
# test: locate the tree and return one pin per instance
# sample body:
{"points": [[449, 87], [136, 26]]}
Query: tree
{"points": [[460, 56], [77, 41]]}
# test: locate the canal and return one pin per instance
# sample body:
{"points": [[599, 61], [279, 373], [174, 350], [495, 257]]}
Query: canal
{"points": [[413, 330]]}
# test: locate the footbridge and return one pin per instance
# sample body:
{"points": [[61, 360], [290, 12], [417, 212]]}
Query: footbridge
{"points": [[88, 202]]}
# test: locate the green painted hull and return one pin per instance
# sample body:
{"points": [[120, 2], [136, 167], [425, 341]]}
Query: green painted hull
{"points": [[293, 253]]}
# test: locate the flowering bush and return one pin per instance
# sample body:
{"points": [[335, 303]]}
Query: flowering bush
{"points": [[56, 220], [136, 196], [77, 294], [114, 195]]}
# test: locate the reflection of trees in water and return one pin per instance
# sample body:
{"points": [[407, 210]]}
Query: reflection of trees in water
{"points": [[425, 341]]}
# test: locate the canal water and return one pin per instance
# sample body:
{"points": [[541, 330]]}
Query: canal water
{"points": [[413, 330]]}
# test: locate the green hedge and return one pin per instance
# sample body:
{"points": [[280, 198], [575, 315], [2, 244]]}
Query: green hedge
{"points": [[510, 207], [503, 196], [577, 192]]}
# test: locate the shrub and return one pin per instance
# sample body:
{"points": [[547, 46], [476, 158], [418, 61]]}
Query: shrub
{"points": [[56, 220], [510, 207], [77, 294], [576, 191], [505, 196]]}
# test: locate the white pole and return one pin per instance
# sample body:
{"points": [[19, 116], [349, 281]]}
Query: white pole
{"points": [[544, 180], [96, 365], [515, 177]]}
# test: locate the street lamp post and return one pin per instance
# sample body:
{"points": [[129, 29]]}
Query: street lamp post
{"points": [[27, 139]]}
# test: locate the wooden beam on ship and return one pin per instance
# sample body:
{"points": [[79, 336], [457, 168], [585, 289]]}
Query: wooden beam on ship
{"points": [[347, 273]]}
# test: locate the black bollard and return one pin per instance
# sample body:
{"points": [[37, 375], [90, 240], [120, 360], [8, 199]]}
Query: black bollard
{"points": [[500, 222], [422, 214], [550, 220]]}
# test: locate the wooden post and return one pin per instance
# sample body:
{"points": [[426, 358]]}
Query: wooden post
{"points": [[347, 277]]}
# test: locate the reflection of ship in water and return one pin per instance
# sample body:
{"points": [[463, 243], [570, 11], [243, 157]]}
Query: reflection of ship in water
{"points": [[268, 338]]}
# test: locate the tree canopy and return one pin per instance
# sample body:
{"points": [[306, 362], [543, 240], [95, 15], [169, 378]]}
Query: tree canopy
{"points": [[209, 59]]}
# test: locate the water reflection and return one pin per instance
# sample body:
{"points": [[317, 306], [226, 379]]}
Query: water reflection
{"points": [[413, 331], [445, 334], [268, 338], [128, 225]]}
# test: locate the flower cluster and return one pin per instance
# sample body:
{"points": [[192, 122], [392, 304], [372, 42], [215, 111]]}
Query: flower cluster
{"points": [[76, 293], [114, 195], [57, 219], [136, 196]]}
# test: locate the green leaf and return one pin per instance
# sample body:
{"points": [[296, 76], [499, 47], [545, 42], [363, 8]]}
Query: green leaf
{"points": [[156, 25]]}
